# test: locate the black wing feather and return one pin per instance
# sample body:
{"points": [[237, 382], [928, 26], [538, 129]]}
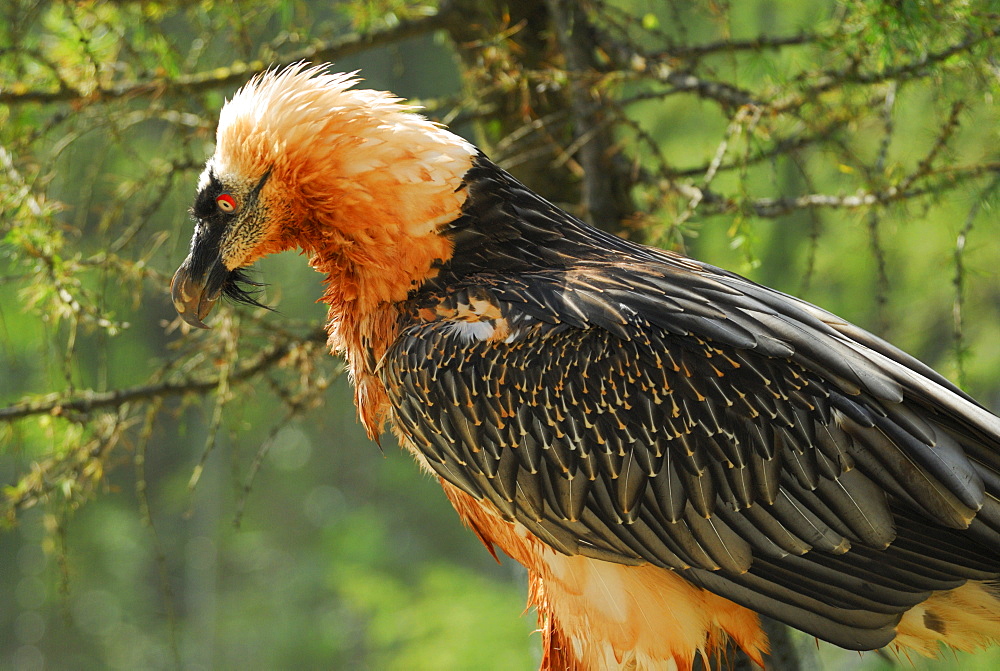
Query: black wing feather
{"points": [[636, 406]]}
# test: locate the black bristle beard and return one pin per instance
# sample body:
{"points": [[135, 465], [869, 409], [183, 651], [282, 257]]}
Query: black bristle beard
{"points": [[240, 289]]}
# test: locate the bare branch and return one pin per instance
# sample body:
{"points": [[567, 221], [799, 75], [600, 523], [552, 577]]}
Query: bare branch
{"points": [[686, 82], [759, 43]]}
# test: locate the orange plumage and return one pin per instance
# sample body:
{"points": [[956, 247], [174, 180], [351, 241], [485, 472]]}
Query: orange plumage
{"points": [[667, 447]]}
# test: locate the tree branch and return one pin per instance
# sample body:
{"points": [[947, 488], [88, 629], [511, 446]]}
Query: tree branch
{"points": [[784, 147], [721, 92], [89, 400], [237, 73], [776, 207], [831, 79], [760, 43]]}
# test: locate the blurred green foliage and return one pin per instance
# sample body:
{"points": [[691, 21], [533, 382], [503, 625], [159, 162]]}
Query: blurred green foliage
{"points": [[207, 500]]}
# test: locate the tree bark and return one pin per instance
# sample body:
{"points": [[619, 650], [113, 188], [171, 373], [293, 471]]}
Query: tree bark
{"points": [[552, 136]]}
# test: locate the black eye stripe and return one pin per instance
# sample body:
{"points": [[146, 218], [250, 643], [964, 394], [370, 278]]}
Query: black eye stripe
{"points": [[205, 202]]}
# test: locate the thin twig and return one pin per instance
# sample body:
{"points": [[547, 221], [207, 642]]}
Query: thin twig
{"points": [[160, 555], [759, 43], [874, 233], [958, 306], [724, 93], [296, 405], [745, 116], [926, 164], [230, 336]]}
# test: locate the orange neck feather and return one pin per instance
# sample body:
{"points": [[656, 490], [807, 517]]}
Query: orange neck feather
{"points": [[364, 281], [374, 239]]}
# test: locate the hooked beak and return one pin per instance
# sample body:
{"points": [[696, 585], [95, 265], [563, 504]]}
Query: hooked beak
{"points": [[195, 291], [203, 276]]}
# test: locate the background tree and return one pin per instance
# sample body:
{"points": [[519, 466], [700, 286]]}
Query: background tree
{"points": [[203, 500]]}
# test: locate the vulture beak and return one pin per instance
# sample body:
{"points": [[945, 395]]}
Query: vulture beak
{"points": [[196, 287], [203, 276]]}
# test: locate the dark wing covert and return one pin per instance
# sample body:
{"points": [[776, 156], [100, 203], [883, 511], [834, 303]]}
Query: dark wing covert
{"points": [[650, 408]]}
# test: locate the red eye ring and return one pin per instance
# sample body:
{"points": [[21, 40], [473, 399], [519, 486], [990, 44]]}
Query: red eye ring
{"points": [[226, 203]]}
